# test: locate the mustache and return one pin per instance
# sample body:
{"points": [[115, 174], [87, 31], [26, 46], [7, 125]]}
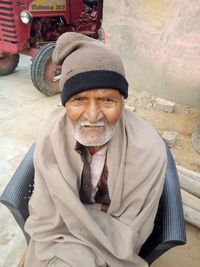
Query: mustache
{"points": [[92, 124]]}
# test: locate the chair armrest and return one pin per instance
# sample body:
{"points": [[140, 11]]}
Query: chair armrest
{"points": [[169, 226], [19, 189]]}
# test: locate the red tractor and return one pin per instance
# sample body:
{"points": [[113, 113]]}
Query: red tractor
{"points": [[31, 27]]}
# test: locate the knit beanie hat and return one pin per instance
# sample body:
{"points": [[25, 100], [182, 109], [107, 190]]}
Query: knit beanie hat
{"points": [[87, 64]]}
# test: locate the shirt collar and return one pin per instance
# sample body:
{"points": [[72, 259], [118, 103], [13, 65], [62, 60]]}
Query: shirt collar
{"points": [[84, 153]]}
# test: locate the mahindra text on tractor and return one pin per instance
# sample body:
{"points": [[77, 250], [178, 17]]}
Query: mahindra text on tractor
{"points": [[31, 27]]}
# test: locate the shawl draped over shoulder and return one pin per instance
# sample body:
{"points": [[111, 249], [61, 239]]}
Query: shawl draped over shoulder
{"points": [[64, 232]]}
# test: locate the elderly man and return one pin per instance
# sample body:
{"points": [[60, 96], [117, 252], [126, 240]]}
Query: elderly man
{"points": [[99, 168]]}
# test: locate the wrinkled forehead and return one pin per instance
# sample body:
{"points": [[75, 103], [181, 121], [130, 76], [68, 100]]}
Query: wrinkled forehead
{"points": [[100, 92]]}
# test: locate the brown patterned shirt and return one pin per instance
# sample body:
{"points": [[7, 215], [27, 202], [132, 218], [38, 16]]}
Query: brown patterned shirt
{"points": [[85, 192]]}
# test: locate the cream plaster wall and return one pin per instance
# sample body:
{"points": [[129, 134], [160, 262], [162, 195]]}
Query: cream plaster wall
{"points": [[159, 42]]}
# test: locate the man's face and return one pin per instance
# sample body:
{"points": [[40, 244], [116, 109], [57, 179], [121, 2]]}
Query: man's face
{"points": [[94, 114]]}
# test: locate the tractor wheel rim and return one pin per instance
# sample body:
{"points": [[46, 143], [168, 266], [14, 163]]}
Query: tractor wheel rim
{"points": [[50, 72]]}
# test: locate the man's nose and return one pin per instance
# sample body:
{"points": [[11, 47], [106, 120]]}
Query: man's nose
{"points": [[93, 112]]}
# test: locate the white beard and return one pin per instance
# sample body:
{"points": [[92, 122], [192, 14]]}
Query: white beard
{"points": [[93, 134]]}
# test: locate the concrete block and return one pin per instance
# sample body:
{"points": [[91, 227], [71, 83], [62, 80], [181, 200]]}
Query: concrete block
{"points": [[170, 138], [196, 137], [164, 105]]}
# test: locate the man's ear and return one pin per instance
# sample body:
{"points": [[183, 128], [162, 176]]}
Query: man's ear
{"points": [[123, 100]]}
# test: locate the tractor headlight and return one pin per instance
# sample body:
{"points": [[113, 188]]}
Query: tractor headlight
{"points": [[26, 17]]}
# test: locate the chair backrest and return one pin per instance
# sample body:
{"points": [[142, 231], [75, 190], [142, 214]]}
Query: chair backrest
{"points": [[169, 228]]}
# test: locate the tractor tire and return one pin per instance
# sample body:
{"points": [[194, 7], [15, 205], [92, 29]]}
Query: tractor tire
{"points": [[43, 71], [8, 63]]}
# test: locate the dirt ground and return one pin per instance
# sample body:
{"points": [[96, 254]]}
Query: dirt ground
{"points": [[182, 121]]}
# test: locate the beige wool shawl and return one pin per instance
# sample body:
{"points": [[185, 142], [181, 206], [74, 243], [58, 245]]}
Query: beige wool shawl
{"points": [[65, 232]]}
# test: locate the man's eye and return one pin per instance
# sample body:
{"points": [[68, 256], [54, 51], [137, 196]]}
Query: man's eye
{"points": [[106, 99], [77, 99]]}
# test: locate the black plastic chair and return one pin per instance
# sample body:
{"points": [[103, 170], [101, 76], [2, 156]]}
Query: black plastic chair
{"points": [[169, 228]]}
